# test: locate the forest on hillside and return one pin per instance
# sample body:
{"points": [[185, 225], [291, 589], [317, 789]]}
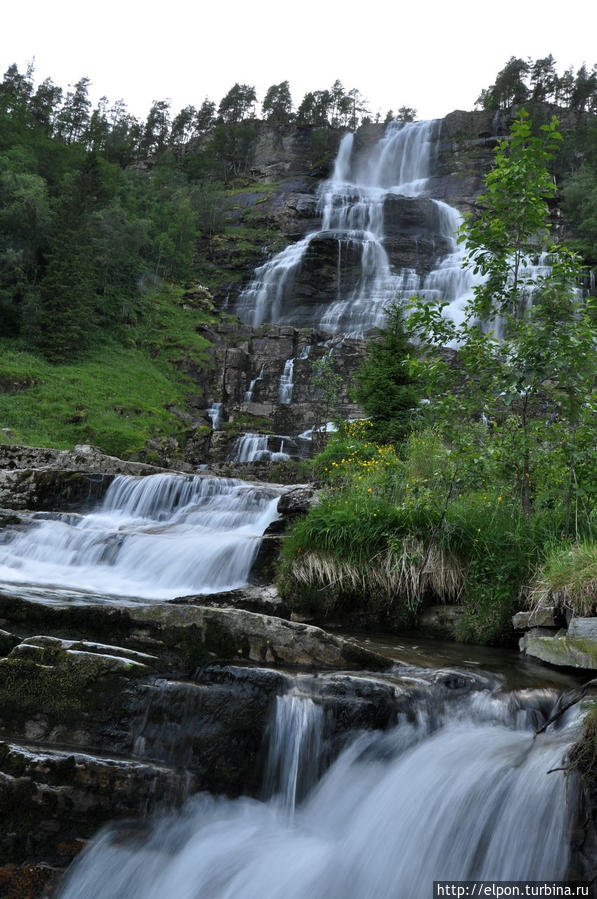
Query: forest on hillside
{"points": [[99, 207]]}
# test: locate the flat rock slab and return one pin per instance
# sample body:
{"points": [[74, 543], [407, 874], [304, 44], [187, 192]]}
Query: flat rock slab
{"points": [[543, 617], [583, 627], [186, 636], [563, 650]]}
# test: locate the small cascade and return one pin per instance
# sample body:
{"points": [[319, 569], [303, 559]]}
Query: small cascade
{"points": [[215, 413], [255, 448], [473, 796], [295, 749], [286, 383], [158, 537], [249, 393]]}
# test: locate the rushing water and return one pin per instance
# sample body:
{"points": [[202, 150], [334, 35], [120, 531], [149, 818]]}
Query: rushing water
{"points": [[156, 537], [253, 447], [466, 795], [351, 207]]}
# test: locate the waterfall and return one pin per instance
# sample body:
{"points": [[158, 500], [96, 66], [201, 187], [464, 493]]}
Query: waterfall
{"points": [[286, 383], [157, 537], [215, 413], [471, 798], [249, 393], [254, 448], [295, 749], [351, 205]]}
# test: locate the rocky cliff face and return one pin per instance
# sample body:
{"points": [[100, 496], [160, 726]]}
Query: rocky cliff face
{"points": [[278, 208], [247, 380]]}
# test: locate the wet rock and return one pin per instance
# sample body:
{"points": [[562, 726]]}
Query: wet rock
{"points": [[542, 617], [51, 800], [47, 489], [82, 458], [297, 501], [265, 566], [7, 642], [185, 636], [563, 649], [461, 681], [29, 881], [93, 659], [584, 628], [354, 703], [263, 599]]}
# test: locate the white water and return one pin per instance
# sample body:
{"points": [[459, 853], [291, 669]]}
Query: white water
{"points": [[249, 392], [286, 384], [351, 206], [254, 448], [215, 413], [472, 799], [156, 537]]}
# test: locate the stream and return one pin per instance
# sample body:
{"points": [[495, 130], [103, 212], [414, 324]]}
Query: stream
{"points": [[459, 789], [372, 784]]}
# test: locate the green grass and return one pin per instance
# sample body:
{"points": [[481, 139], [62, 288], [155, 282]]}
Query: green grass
{"points": [[568, 577], [397, 531], [116, 396]]}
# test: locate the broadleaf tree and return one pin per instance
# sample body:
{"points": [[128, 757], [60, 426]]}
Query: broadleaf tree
{"points": [[530, 387]]}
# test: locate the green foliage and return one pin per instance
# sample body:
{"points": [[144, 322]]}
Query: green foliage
{"points": [[568, 577], [545, 358], [327, 383], [537, 81], [115, 397], [277, 105], [385, 385], [514, 218]]}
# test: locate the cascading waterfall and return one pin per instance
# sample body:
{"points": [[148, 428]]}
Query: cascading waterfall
{"points": [[351, 206], [286, 383], [249, 393], [156, 537], [473, 796], [255, 448]]}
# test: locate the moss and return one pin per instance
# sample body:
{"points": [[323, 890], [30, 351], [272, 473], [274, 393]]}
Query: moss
{"points": [[583, 756], [222, 643], [30, 688]]}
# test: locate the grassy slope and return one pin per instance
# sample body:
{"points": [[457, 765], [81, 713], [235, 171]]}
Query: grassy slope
{"points": [[115, 396]]}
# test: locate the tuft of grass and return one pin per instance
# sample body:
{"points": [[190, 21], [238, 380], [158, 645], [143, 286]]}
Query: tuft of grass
{"points": [[583, 756], [568, 579]]}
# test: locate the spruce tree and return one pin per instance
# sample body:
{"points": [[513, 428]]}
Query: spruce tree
{"points": [[385, 388]]}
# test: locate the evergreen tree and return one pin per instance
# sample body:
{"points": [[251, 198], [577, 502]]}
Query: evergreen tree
{"points": [[238, 104], [385, 388], [277, 105]]}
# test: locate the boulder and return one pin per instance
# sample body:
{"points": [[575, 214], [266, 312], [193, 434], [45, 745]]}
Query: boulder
{"points": [[298, 500], [561, 650], [542, 617]]}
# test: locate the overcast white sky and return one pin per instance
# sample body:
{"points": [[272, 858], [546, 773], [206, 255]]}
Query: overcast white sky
{"points": [[435, 56]]}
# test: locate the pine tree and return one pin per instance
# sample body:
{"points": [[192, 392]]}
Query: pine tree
{"points": [[386, 390]]}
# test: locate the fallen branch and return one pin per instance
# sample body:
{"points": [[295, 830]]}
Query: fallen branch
{"points": [[563, 704]]}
